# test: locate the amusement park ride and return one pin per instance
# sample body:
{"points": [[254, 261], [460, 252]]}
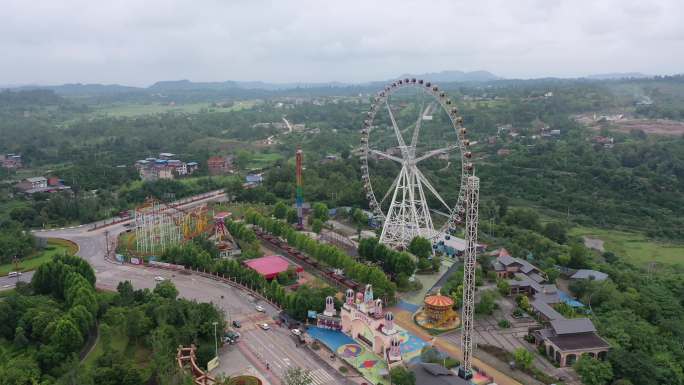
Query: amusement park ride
{"points": [[408, 214], [159, 226]]}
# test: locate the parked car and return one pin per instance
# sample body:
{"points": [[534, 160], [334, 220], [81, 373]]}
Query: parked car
{"points": [[159, 278], [264, 326], [296, 332], [14, 274], [237, 324], [259, 308]]}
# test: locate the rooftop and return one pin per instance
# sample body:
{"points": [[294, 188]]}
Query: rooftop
{"points": [[268, 266], [589, 274], [37, 179], [434, 374], [579, 342], [572, 326], [439, 301]]}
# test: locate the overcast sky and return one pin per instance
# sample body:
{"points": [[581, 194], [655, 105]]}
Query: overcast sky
{"points": [[138, 42]]}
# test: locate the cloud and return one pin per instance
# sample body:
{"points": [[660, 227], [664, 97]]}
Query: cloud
{"points": [[139, 42]]}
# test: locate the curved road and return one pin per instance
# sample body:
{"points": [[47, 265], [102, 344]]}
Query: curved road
{"points": [[273, 346]]}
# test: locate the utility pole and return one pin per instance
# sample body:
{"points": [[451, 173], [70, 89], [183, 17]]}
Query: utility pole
{"points": [[215, 337], [106, 243], [465, 371]]}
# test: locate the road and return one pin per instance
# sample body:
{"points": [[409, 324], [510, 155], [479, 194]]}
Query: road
{"points": [[274, 346]]}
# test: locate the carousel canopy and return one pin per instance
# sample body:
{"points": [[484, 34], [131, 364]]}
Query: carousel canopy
{"points": [[439, 301]]}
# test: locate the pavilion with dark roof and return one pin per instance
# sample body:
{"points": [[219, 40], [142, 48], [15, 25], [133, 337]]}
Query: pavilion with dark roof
{"points": [[566, 340]]}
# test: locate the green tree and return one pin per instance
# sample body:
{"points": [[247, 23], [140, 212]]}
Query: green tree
{"points": [[280, 210], [317, 226], [320, 211], [20, 340], [487, 302], [297, 376], [291, 216], [420, 247], [556, 231], [166, 289], [593, 371], [503, 286], [66, 337], [402, 376], [523, 358]]}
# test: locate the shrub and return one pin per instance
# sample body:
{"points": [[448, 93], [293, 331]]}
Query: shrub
{"points": [[504, 324]]}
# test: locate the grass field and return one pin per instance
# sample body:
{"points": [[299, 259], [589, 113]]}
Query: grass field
{"points": [[635, 247], [55, 246], [263, 159], [134, 109]]}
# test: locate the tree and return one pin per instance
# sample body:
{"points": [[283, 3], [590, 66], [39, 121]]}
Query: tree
{"points": [[556, 232], [66, 337], [593, 371], [317, 226], [487, 302], [523, 358], [502, 202], [523, 302], [20, 340], [280, 210], [297, 376], [420, 247], [503, 286], [320, 211], [402, 376], [166, 289], [291, 216]]}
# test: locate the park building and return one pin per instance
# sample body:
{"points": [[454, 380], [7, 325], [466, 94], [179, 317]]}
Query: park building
{"points": [[566, 340]]}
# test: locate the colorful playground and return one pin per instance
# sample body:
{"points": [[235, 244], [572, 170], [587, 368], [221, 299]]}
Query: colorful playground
{"points": [[370, 365]]}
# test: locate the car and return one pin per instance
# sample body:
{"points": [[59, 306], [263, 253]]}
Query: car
{"points": [[159, 279], [264, 326], [259, 308], [296, 332], [237, 324], [14, 274]]}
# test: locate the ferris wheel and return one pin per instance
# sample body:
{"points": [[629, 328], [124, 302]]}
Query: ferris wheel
{"points": [[407, 214]]}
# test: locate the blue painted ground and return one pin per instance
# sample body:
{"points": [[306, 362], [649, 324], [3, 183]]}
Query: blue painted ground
{"points": [[333, 339], [565, 297], [409, 307]]}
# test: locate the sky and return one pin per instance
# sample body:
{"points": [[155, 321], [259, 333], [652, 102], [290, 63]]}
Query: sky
{"points": [[139, 42]]}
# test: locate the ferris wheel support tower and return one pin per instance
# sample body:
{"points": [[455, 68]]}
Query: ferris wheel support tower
{"points": [[472, 202]]}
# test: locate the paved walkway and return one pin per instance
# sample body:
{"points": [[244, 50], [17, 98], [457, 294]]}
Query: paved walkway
{"points": [[404, 319]]}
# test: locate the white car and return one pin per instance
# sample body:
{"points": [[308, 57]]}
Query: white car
{"points": [[159, 279], [296, 332], [265, 326], [259, 308], [14, 274]]}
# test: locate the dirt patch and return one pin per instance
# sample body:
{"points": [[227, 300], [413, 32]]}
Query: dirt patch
{"points": [[594, 243], [627, 125]]}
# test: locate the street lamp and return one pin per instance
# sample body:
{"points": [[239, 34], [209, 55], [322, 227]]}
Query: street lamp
{"points": [[215, 337]]}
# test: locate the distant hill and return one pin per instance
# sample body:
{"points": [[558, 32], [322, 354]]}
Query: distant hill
{"points": [[618, 75], [84, 89], [455, 76]]}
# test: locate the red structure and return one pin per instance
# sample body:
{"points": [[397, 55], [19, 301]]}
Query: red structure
{"points": [[270, 266], [299, 197]]}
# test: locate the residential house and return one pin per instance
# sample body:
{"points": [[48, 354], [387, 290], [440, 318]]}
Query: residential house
{"points": [[218, 165]]}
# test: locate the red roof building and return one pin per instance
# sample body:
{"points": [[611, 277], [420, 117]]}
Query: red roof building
{"points": [[270, 266]]}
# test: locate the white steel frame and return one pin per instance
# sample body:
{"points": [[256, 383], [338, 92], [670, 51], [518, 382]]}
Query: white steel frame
{"points": [[469, 261], [408, 215]]}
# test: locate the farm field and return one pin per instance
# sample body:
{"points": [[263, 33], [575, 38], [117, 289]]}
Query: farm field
{"points": [[635, 247], [132, 109]]}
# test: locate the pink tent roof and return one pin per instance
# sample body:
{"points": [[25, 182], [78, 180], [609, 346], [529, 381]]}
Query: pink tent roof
{"points": [[268, 266]]}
